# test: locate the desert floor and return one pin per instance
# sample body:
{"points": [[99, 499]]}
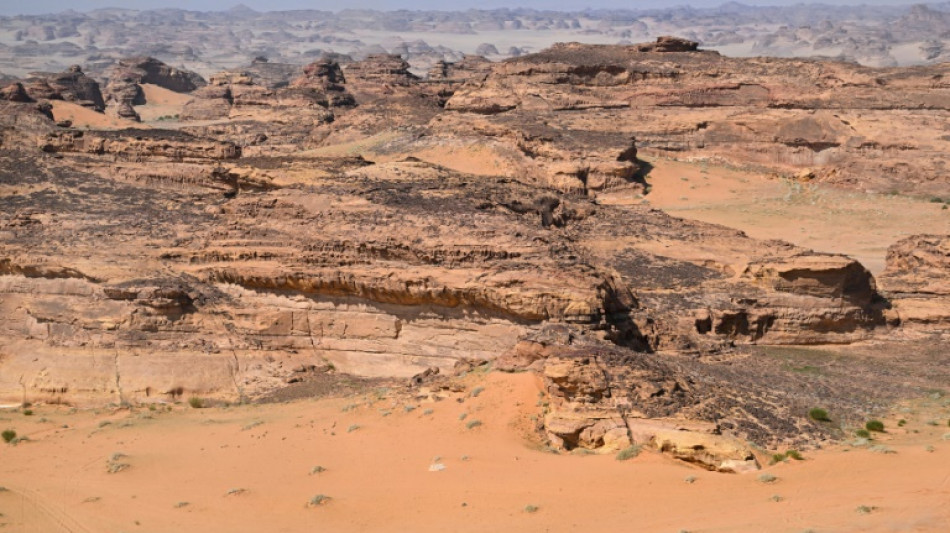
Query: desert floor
{"points": [[251, 468], [812, 215]]}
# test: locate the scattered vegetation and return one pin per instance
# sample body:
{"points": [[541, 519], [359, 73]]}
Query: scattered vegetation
{"points": [[863, 433], [462, 416], [317, 470], [409, 408], [776, 498], [352, 428], [252, 425], [27, 412], [690, 479], [875, 425], [531, 508], [196, 403], [428, 412], [767, 478], [476, 391], [319, 499], [865, 509], [629, 452], [348, 407], [901, 423], [472, 424], [819, 414], [115, 468], [235, 491], [8, 435], [179, 505], [794, 454]]}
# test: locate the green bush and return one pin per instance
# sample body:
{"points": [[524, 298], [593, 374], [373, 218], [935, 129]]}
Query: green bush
{"points": [[8, 435], [794, 454], [819, 414], [863, 433], [196, 402], [629, 452], [27, 412], [472, 424], [875, 425]]}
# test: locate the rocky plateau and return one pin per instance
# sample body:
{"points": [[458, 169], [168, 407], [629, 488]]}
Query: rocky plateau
{"points": [[292, 219]]}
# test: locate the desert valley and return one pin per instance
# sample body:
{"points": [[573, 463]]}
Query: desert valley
{"points": [[586, 283]]}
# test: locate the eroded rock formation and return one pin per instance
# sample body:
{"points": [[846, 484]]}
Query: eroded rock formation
{"points": [[216, 258]]}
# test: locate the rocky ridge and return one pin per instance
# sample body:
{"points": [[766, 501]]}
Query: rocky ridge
{"points": [[212, 259]]}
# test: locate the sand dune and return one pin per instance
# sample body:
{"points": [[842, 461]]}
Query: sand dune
{"points": [[248, 468], [83, 117]]}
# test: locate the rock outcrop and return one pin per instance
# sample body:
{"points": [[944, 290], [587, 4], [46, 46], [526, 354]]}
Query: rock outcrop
{"points": [[124, 91], [216, 258], [917, 281], [72, 86], [15, 92], [787, 116]]}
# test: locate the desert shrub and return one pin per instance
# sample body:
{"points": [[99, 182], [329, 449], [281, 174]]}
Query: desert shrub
{"points": [[317, 469], [8, 435], [901, 423], [115, 468], [352, 428], [319, 499], [196, 403], [476, 391], [794, 454], [767, 478], [819, 414], [777, 458], [875, 425], [863, 433], [629, 452], [472, 424], [27, 412], [530, 508]]}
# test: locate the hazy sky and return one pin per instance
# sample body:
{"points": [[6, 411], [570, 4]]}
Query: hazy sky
{"points": [[16, 7]]}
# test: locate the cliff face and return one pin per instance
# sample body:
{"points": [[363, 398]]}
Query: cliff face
{"points": [[382, 269], [229, 255], [917, 280]]}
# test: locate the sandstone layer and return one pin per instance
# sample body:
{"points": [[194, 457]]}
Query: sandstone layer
{"points": [[255, 242]]}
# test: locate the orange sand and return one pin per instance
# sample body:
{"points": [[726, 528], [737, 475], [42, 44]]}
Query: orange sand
{"points": [[86, 118], [815, 216], [379, 477]]}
